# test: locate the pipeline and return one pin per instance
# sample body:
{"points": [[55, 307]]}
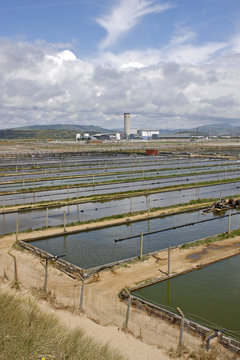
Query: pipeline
{"points": [[173, 227]]}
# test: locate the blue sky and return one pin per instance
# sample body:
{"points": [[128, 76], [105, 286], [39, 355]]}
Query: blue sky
{"points": [[172, 64]]}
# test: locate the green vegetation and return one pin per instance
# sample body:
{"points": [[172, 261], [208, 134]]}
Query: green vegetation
{"points": [[28, 333], [43, 134]]}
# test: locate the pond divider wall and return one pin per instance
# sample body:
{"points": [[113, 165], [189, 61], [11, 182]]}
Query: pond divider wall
{"points": [[63, 265], [189, 325]]}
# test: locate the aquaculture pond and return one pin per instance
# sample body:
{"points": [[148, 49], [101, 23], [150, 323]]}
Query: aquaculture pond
{"points": [[95, 210], [97, 247], [120, 176], [94, 189], [95, 169], [209, 296]]}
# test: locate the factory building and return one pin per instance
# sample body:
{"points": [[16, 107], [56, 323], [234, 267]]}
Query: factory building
{"points": [[108, 136], [148, 134]]}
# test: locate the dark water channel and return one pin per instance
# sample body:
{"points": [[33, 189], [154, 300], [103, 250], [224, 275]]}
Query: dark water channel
{"points": [[209, 296], [92, 248]]}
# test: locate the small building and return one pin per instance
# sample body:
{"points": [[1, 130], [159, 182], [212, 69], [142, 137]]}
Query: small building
{"points": [[152, 152], [78, 137], [108, 136]]}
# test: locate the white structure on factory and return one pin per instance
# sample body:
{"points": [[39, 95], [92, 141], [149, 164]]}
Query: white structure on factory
{"points": [[127, 125], [147, 133]]}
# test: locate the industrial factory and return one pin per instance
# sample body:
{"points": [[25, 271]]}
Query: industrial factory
{"points": [[128, 133]]}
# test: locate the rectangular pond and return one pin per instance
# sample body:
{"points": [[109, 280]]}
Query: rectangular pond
{"points": [[209, 296], [97, 247]]}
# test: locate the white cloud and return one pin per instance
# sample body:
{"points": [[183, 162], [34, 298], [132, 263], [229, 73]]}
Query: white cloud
{"points": [[177, 86], [124, 16]]}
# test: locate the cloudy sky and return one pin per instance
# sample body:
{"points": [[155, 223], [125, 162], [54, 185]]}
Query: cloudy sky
{"points": [[170, 63]]}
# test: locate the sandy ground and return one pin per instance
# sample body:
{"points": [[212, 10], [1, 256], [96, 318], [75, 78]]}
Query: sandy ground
{"points": [[101, 302], [123, 342]]}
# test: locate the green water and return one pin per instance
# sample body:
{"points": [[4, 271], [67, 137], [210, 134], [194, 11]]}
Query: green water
{"points": [[209, 296]]}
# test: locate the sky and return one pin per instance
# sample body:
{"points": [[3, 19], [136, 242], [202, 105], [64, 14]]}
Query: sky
{"points": [[170, 63]]}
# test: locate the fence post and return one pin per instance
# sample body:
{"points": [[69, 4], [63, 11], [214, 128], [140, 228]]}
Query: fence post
{"points": [[169, 260], [15, 267], [64, 220], [229, 222], [141, 245], [17, 228], [45, 277], [82, 293], [181, 327], [46, 218], [128, 312]]}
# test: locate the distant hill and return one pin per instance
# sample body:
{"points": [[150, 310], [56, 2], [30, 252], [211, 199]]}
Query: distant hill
{"points": [[219, 129], [71, 127], [214, 129], [57, 131]]}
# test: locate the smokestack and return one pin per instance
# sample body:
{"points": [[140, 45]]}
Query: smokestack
{"points": [[127, 125]]}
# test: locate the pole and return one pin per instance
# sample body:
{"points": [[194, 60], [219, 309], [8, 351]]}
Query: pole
{"points": [[181, 327], [64, 220], [198, 193], [3, 199], [141, 245], [229, 223], [45, 277], [128, 311], [221, 195], [149, 209], [81, 297], [46, 218], [17, 228], [131, 204], [169, 260], [168, 289]]}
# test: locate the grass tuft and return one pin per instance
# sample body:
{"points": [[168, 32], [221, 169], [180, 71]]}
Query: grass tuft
{"points": [[28, 333]]}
